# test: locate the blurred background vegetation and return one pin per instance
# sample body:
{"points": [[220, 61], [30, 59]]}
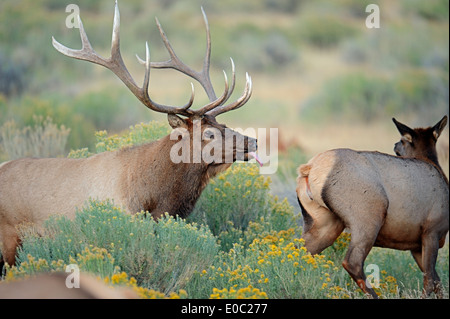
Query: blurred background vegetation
{"points": [[320, 76]]}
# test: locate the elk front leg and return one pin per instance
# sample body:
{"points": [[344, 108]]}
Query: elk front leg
{"points": [[10, 241]]}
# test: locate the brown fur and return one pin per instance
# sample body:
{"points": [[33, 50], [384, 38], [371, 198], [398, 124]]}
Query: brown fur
{"points": [[53, 286], [136, 178], [386, 201]]}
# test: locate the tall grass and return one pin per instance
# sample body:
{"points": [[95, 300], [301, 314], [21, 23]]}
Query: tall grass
{"points": [[43, 139]]}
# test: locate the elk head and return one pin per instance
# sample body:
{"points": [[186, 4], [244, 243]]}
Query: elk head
{"points": [[197, 124], [420, 142]]}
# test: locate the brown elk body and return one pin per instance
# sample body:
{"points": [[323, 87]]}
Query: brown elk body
{"points": [[137, 178], [398, 202]]}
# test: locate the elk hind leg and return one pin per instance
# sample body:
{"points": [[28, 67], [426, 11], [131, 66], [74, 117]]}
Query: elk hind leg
{"points": [[364, 232], [353, 263], [320, 228], [431, 280]]}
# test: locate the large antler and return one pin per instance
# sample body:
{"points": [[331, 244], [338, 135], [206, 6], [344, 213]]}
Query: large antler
{"points": [[116, 65]]}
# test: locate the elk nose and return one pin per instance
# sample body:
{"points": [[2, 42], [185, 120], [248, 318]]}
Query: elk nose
{"points": [[396, 149], [253, 144]]}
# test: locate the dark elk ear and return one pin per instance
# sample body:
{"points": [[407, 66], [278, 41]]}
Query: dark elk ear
{"points": [[404, 130], [439, 127], [175, 121]]}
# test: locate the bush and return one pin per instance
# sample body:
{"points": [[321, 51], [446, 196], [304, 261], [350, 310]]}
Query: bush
{"points": [[103, 240], [325, 31], [276, 265], [237, 207], [43, 139], [401, 44], [280, 267], [431, 9], [12, 77], [24, 111], [367, 97], [136, 135]]}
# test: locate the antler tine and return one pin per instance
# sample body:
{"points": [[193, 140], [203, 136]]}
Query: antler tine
{"points": [[236, 104], [233, 72], [175, 62], [202, 77], [116, 65], [217, 102], [85, 53], [181, 110]]}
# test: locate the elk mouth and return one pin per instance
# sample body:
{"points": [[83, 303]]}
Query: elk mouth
{"points": [[249, 155], [250, 151], [396, 149]]}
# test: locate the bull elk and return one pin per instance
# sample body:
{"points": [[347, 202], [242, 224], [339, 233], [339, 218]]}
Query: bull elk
{"points": [[136, 178], [398, 202]]}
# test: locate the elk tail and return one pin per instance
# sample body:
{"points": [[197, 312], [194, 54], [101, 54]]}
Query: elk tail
{"points": [[303, 171]]}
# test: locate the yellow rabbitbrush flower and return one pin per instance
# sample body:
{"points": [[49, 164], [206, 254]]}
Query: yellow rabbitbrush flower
{"points": [[122, 279], [138, 134], [30, 267], [248, 292]]}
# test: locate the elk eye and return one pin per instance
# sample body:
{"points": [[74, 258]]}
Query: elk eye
{"points": [[209, 134]]}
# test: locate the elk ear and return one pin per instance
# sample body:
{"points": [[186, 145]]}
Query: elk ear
{"points": [[404, 130], [439, 127], [175, 121]]}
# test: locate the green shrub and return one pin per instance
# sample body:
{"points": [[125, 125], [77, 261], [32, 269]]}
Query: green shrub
{"points": [[354, 96], [136, 135], [325, 31], [279, 267], [25, 109], [365, 97], [237, 207], [12, 77], [43, 139], [401, 44], [401, 266], [160, 255], [431, 9]]}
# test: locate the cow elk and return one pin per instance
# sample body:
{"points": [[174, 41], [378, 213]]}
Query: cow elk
{"points": [[136, 178], [398, 202]]}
